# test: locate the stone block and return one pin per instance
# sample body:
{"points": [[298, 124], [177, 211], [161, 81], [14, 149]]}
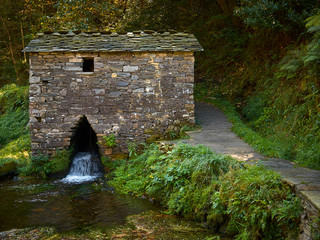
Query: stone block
{"points": [[72, 68], [138, 90], [99, 92], [130, 68], [76, 60], [122, 84], [114, 94], [123, 74], [34, 89], [34, 80]]}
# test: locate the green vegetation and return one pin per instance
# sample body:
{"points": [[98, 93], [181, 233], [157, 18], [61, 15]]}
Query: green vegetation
{"points": [[44, 166], [201, 185], [14, 131], [261, 55], [110, 140]]}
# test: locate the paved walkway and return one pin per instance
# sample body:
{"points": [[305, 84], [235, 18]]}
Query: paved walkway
{"points": [[217, 135]]}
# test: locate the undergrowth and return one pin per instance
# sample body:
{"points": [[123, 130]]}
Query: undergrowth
{"points": [[273, 81], [201, 185], [278, 133], [14, 130], [43, 166]]}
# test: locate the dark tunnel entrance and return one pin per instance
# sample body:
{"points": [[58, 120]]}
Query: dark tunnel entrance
{"points": [[85, 150], [84, 138]]}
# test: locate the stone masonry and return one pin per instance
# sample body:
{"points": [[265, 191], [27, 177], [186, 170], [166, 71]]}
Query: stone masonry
{"points": [[129, 94]]}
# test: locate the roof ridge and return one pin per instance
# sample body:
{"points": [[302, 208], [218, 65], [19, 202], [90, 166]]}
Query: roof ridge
{"points": [[108, 32], [107, 41]]}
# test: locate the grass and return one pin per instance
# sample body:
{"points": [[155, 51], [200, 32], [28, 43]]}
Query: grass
{"points": [[272, 140], [14, 131], [199, 184], [17, 150]]}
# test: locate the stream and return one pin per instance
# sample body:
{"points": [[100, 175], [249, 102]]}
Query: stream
{"points": [[74, 207], [29, 203], [81, 201]]}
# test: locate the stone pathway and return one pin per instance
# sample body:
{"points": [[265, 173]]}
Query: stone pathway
{"points": [[217, 135]]}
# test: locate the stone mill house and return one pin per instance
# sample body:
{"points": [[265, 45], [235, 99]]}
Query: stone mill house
{"points": [[134, 85]]}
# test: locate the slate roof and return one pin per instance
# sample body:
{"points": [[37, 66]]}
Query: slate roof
{"points": [[137, 41]]}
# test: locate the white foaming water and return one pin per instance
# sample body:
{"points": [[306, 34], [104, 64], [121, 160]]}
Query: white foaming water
{"points": [[83, 169]]}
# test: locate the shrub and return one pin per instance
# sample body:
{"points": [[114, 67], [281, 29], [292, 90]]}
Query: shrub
{"points": [[43, 166], [259, 205], [110, 140], [201, 185], [276, 15]]}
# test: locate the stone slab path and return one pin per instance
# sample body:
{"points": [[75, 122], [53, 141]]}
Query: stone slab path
{"points": [[217, 135]]}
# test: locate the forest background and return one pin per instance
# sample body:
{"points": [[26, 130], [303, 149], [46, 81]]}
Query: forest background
{"points": [[262, 56]]}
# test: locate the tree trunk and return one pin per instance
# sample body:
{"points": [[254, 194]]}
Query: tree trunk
{"points": [[22, 39], [10, 46], [227, 7]]}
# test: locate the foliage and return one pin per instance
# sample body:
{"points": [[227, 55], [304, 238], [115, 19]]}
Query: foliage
{"points": [[315, 225], [39, 166], [277, 133], [282, 15], [280, 101], [13, 97], [60, 161], [208, 187], [17, 151], [259, 204], [110, 140], [13, 125], [43, 165], [132, 148], [167, 14], [14, 132], [258, 142], [94, 14]]}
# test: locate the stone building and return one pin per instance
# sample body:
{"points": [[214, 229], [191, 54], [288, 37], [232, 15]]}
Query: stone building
{"points": [[84, 86]]}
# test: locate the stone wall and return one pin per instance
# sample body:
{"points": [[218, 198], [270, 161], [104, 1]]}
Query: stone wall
{"points": [[129, 94]]}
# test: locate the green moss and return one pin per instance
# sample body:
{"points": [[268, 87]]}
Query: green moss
{"points": [[7, 168]]}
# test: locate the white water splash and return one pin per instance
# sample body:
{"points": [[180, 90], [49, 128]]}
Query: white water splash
{"points": [[83, 169]]}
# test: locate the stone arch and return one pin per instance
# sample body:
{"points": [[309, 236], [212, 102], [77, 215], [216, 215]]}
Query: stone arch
{"points": [[84, 138]]}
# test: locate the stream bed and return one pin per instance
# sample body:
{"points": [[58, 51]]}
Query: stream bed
{"points": [[74, 207]]}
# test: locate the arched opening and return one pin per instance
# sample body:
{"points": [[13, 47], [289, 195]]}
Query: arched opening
{"points": [[86, 164], [84, 138]]}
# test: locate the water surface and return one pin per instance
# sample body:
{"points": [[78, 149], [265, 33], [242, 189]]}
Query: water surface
{"points": [[29, 203]]}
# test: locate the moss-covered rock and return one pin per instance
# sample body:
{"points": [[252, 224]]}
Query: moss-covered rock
{"points": [[7, 168]]}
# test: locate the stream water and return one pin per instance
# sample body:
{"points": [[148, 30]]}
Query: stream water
{"points": [[85, 167], [82, 199], [64, 206]]}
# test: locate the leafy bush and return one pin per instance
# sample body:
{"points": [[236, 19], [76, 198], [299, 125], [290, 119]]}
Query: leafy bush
{"points": [[43, 165], [60, 161], [259, 205], [110, 140], [132, 148], [208, 187], [276, 15]]}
